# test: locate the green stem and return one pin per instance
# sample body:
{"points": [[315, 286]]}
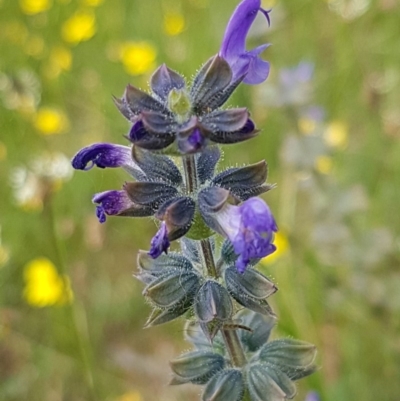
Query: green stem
{"points": [[230, 336], [234, 346], [190, 168], [208, 257], [75, 311]]}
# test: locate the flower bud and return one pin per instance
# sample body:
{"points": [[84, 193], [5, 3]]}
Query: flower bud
{"points": [[213, 303], [172, 288], [164, 80]]}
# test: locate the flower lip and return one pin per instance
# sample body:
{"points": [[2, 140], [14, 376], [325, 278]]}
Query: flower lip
{"points": [[102, 155], [233, 48], [110, 203], [250, 228], [160, 242]]}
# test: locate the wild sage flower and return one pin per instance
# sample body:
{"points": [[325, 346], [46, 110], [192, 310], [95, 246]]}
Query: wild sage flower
{"points": [[183, 120], [159, 189], [193, 201], [250, 226], [245, 65]]}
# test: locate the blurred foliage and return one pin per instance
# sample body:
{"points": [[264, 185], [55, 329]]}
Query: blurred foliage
{"points": [[71, 317]]}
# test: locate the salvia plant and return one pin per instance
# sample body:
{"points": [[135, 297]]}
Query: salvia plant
{"points": [[175, 134]]}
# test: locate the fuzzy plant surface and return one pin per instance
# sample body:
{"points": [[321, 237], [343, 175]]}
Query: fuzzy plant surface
{"points": [[172, 154]]}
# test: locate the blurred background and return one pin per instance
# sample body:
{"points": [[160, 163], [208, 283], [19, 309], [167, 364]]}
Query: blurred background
{"points": [[71, 314]]}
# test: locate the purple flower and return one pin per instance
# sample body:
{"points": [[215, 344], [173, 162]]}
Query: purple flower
{"points": [[160, 242], [312, 396], [104, 155], [301, 73], [111, 203], [250, 227], [244, 63]]}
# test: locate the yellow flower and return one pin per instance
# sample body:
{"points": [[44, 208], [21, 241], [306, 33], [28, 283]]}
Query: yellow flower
{"points": [[60, 60], [31, 7], [174, 24], [49, 121], [282, 244], [130, 396], [307, 125], [324, 164], [44, 286], [80, 27], [138, 57], [336, 135]]}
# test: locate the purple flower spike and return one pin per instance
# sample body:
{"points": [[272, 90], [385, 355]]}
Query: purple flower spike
{"points": [[250, 227], [233, 49], [103, 155], [159, 242], [110, 203]]}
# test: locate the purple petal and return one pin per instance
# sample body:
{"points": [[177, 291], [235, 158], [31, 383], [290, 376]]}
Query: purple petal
{"points": [[103, 155], [192, 143], [137, 132], [250, 227], [233, 48], [111, 203], [258, 69], [159, 242], [149, 140]]}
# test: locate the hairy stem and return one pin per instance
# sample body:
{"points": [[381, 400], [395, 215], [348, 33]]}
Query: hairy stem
{"points": [[231, 338], [189, 166], [232, 342], [208, 257]]}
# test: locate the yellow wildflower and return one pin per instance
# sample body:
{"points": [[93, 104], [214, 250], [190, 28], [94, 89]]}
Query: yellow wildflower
{"points": [[324, 164], [32, 7], [138, 57], [80, 27], [174, 24], [336, 135], [307, 125], [44, 286], [282, 244], [49, 121], [60, 60], [130, 396]]}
